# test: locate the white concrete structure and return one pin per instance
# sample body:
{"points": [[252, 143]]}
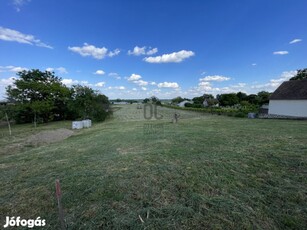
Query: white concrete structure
{"points": [[77, 125], [182, 104], [289, 100], [87, 123]]}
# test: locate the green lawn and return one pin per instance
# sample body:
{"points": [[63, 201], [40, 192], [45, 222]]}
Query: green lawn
{"points": [[206, 172]]}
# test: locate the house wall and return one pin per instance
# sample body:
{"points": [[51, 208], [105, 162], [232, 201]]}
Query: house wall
{"points": [[293, 108]]}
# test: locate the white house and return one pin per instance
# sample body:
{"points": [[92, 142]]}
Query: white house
{"points": [[289, 100]]}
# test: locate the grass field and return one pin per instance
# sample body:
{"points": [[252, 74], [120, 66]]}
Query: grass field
{"points": [[205, 172]]}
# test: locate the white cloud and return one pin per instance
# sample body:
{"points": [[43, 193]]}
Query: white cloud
{"points": [[134, 89], [117, 87], [7, 81], [168, 85], [100, 84], [7, 34], [99, 72], [19, 3], [70, 82], [152, 51], [115, 75], [4, 82], [295, 41], [144, 88], [134, 77], [215, 78], [12, 68], [173, 57], [61, 70], [95, 52], [275, 82], [114, 53], [141, 82], [280, 52], [153, 83], [137, 51], [254, 64]]}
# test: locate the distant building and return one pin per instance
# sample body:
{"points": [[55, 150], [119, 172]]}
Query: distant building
{"points": [[120, 103], [289, 100]]}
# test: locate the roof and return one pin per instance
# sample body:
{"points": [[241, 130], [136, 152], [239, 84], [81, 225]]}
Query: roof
{"points": [[291, 90]]}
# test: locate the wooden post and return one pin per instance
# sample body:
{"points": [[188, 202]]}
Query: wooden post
{"points": [[59, 195], [8, 123]]}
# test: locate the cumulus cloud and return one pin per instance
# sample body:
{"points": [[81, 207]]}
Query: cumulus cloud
{"points": [[11, 68], [141, 82], [114, 53], [295, 41], [280, 52], [99, 72], [7, 34], [93, 51], [100, 84], [69, 82], [4, 82], [172, 57], [117, 87], [215, 78], [168, 85], [275, 82], [137, 51], [152, 51], [90, 50], [134, 77], [144, 88], [61, 70]]}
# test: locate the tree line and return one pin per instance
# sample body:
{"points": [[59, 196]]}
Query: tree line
{"points": [[40, 96]]}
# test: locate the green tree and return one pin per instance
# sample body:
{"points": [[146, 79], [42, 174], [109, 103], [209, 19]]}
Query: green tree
{"points": [[177, 100], [86, 103], [146, 100], [300, 75], [38, 94], [263, 97], [229, 99], [241, 96]]}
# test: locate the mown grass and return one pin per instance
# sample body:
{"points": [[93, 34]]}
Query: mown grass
{"points": [[206, 172]]}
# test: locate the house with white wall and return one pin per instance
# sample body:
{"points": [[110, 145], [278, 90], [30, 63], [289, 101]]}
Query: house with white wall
{"points": [[289, 100]]}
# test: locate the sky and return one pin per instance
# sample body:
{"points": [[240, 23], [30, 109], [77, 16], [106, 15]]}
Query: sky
{"points": [[164, 48]]}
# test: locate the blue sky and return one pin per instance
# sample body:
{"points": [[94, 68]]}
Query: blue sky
{"points": [[166, 48]]}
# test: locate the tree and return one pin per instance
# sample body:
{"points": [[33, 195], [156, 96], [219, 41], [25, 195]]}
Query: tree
{"points": [[241, 96], [198, 100], [208, 96], [146, 100], [263, 97], [300, 75], [229, 99], [86, 103], [38, 94], [177, 100]]}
